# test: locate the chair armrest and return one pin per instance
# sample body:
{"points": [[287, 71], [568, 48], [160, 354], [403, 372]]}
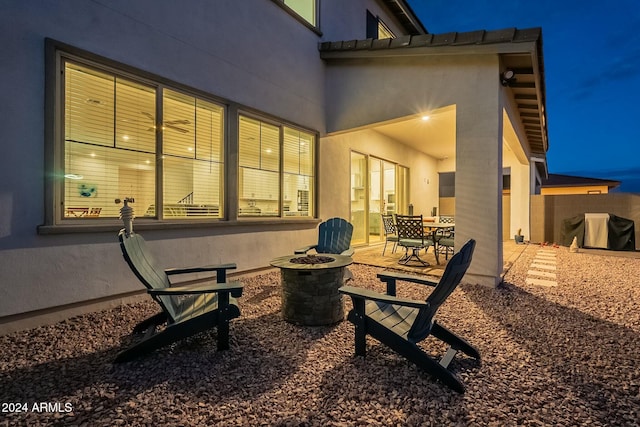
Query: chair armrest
{"points": [[366, 294], [206, 288], [390, 279], [348, 252], [217, 268], [305, 249]]}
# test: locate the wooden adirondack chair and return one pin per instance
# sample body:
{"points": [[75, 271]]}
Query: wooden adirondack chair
{"points": [[334, 237], [186, 310], [402, 323]]}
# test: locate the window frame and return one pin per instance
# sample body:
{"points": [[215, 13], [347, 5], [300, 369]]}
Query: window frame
{"points": [[53, 222], [374, 23], [314, 27], [281, 124], [161, 92]]}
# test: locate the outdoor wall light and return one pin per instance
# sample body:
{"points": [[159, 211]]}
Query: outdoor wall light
{"points": [[508, 77]]}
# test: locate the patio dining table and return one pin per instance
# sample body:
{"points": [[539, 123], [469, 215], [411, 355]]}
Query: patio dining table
{"points": [[432, 228]]}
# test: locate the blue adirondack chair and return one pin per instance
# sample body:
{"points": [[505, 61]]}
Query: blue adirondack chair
{"points": [[186, 309], [334, 237], [401, 323]]}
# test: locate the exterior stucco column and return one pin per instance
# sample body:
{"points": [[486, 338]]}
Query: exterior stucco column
{"points": [[479, 180], [520, 200]]}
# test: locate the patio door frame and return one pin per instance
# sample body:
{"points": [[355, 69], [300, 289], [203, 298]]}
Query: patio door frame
{"points": [[360, 188]]}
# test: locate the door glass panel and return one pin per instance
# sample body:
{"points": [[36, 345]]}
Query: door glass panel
{"points": [[358, 198], [389, 188], [375, 199], [377, 187]]}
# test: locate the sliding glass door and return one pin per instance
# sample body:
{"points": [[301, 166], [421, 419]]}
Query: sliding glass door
{"points": [[377, 187], [358, 198], [382, 195]]}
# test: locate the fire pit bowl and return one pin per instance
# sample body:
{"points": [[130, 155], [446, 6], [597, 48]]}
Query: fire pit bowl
{"points": [[311, 259], [310, 286]]}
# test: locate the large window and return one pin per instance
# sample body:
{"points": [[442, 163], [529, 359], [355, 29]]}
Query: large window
{"points": [[118, 132], [276, 173], [128, 137]]}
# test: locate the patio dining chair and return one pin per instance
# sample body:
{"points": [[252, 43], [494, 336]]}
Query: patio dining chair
{"points": [[390, 232], [412, 238], [446, 237]]}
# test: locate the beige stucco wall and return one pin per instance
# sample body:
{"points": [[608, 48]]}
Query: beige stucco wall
{"points": [[252, 54], [447, 206], [335, 170]]}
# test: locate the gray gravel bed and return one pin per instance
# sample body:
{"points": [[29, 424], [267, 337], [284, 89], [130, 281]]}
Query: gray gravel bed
{"points": [[551, 356]]}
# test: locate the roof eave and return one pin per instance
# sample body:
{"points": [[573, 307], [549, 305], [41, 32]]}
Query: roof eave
{"points": [[406, 15]]}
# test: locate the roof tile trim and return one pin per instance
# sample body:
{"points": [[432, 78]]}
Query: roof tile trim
{"points": [[507, 35]]}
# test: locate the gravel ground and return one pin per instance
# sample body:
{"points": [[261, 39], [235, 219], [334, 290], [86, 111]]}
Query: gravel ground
{"points": [[560, 356]]}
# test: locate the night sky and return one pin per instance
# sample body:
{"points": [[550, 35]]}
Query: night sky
{"points": [[591, 55]]}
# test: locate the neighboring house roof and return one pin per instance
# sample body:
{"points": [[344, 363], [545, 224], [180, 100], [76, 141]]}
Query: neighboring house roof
{"points": [[556, 180], [520, 51]]}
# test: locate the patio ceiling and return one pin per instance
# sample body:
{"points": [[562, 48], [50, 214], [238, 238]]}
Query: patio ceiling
{"points": [[435, 136]]}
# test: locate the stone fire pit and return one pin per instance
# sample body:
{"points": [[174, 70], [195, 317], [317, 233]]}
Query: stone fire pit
{"points": [[310, 286]]}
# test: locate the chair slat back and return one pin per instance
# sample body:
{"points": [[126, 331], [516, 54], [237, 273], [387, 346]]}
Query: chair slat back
{"points": [[389, 225], [410, 227], [446, 219], [145, 267], [334, 236], [453, 274]]}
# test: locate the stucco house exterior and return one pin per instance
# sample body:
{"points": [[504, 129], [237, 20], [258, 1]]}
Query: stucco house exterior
{"points": [[238, 126]]}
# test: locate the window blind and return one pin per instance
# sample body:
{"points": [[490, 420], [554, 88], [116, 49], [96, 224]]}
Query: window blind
{"points": [[109, 149]]}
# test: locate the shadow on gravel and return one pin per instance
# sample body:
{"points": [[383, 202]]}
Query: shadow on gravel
{"points": [[598, 360], [388, 382], [265, 350]]}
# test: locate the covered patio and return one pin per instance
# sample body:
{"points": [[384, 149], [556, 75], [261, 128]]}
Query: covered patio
{"points": [[483, 96], [372, 256]]}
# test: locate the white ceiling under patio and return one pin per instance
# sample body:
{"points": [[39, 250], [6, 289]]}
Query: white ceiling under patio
{"points": [[434, 136]]}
